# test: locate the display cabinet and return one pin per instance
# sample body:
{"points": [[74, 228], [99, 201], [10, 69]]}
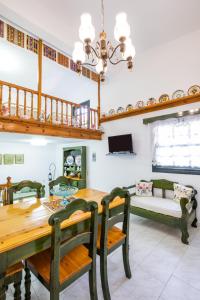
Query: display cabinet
{"points": [[74, 166]]}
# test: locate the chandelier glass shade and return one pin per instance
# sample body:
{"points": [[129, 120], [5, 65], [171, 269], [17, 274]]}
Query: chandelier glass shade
{"points": [[98, 55]]}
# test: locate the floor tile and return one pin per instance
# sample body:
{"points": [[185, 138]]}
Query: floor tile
{"points": [[162, 268], [176, 289]]}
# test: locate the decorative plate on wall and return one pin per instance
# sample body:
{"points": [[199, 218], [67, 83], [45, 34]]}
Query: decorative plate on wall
{"points": [[129, 107], [178, 94], [140, 104], [193, 90], [120, 110], [70, 160], [78, 160], [111, 112], [151, 101], [163, 98]]}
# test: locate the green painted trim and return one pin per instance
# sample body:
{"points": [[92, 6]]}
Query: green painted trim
{"points": [[170, 116], [175, 170]]}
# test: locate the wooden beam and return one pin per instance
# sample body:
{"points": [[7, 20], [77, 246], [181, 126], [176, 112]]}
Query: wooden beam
{"points": [[38, 128], [40, 49], [99, 101], [153, 107]]}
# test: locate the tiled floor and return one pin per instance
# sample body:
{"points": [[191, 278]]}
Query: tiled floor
{"points": [[162, 268]]}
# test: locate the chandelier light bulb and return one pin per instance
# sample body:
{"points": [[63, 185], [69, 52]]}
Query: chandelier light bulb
{"points": [[78, 53], [122, 28], [130, 49], [86, 29]]}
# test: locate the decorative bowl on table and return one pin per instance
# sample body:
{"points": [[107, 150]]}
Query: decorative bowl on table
{"points": [[65, 192]]}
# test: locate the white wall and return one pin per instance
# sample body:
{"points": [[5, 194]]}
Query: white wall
{"points": [[19, 66], [160, 70], [36, 162], [164, 69]]}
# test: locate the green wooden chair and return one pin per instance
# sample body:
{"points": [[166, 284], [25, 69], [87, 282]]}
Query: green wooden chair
{"points": [[68, 259], [13, 275], [37, 189], [61, 180], [111, 237]]}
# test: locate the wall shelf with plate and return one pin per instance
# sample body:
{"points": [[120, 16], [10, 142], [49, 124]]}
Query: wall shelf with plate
{"points": [[153, 107], [74, 166]]}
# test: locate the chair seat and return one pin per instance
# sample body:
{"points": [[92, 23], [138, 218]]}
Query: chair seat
{"points": [[14, 269], [115, 235], [70, 264]]}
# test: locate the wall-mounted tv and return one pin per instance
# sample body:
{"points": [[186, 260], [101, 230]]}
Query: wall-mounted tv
{"points": [[120, 143]]}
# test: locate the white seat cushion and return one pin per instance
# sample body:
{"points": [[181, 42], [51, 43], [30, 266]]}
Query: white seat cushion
{"points": [[160, 205]]}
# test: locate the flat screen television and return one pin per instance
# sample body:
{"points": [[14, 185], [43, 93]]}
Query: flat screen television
{"points": [[120, 143]]}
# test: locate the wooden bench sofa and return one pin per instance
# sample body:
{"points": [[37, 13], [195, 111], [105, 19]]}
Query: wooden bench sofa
{"points": [[164, 209]]}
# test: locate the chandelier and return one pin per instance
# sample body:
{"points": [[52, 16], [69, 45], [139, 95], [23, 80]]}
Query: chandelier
{"points": [[103, 51]]}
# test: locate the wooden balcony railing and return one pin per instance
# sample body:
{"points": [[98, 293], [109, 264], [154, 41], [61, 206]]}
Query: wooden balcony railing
{"points": [[20, 103]]}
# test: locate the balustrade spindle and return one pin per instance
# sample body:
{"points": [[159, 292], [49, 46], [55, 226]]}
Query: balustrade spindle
{"points": [[1, 97], [71, 115], [9, 100], [17, 104], [31, 105], [56, 110], [67, 120], [94, 120], [51, 113], [45, 108], [24, 103], [61, 112]]}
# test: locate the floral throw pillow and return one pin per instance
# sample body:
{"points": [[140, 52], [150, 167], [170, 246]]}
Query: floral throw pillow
{"points": [[144, 189], [181, 191]]}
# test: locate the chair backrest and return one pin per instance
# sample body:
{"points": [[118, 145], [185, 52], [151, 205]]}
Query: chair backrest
{"points": [[110, 217], [38, 187], [61, 180], [86, 234], [167, 185]]}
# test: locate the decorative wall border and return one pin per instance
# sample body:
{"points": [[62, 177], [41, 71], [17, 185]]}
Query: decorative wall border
{"points": [[24, 40]]}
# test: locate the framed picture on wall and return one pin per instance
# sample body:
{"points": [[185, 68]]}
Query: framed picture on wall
{"points": [[1, 159], [19, 159], [8, 159]]}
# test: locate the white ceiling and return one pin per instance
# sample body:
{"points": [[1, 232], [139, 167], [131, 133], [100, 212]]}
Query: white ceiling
{"points": [[153, 22]]}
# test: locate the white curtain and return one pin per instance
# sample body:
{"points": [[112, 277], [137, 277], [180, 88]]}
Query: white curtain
{"points": [[176, 142]]}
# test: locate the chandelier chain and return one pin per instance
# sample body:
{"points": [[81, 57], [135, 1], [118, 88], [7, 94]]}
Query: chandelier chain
{"points": [[102, 15]]}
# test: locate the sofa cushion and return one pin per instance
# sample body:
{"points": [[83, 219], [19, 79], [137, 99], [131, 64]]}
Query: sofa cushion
{"points": [[160, 205], [144, 188], [181, 191]]}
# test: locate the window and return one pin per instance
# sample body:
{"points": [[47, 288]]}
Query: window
{"points": [[176, 145]]}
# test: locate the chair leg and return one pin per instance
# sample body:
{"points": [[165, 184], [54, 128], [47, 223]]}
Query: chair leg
{"points": [[54, 294], [93, 283], [125, 253], [17, 287], [104, 276], [27, 282], [2, 290], [194, 223], [185, 234]]}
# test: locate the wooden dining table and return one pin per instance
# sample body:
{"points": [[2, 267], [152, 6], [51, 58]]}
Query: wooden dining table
{"points": [[24, 229]]}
